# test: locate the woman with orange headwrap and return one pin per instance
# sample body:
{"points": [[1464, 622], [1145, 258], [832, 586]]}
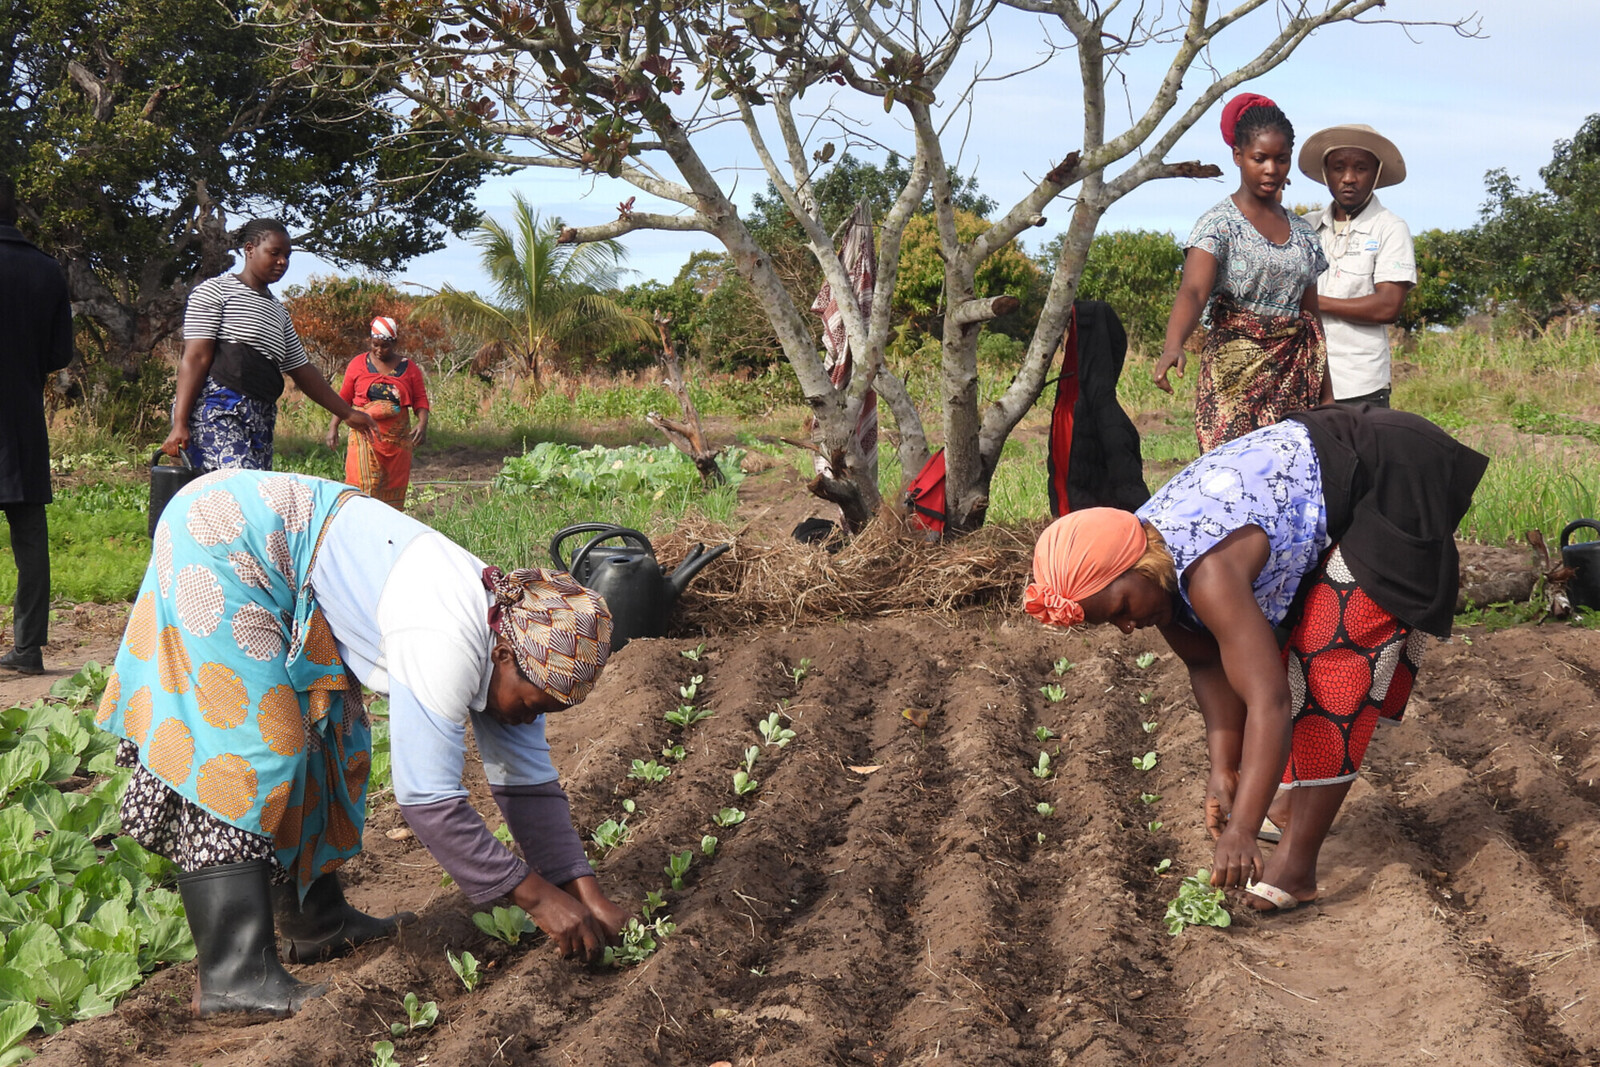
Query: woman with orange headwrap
{"points": [[1293, 571]]}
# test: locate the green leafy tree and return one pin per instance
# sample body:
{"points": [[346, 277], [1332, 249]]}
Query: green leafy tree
{"points": [[919, 290], [1450, 280], [139, 134], [1136, 272], [550, 299]]}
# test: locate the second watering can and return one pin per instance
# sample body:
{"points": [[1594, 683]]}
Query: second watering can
{"points": [[1583, 588], [165, 483], [628, 576]]}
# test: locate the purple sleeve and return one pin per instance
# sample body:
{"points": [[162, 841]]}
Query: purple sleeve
{"points": [[541, 821], [456, 835]]}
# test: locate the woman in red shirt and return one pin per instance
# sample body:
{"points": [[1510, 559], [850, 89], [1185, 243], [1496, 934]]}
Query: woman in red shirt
{"points": [[387, 387]]}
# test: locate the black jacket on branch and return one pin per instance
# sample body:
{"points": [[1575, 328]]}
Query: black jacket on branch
{"points": [[1103, 463], [36, 340]]}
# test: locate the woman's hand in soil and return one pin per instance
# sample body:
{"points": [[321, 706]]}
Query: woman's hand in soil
{"points": [[1237, 860], [569, 922], [587, 891], [1219, 800]]}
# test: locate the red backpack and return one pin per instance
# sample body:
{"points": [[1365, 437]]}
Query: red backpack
{"points": [[925, 495]]}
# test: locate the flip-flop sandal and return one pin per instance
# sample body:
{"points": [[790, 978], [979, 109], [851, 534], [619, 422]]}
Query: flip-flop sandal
{"points": [[1280, 900], [1270, 831]]}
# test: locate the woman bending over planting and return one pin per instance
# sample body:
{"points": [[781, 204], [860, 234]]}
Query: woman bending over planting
{"points": [[1251, 272], [1294, 571], [235, 693]]}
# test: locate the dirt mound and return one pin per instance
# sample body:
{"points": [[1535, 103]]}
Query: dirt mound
{"points": [[894, 896]]}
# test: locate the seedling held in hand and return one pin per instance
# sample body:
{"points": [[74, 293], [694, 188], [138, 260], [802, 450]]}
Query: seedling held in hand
{"points": [[728, 817], [648, 770], [743, 784], [419, 1016], [1149, 798], [1044, 808], [1144, 659], [1063, 665], [773, 732], [508, 924], [639, 942], [1043, 733], [677, 866], [1197, 904], [1042, 768], [693, 653], [708, 845], [1054, 693], [466, 968], [1144, 762]]}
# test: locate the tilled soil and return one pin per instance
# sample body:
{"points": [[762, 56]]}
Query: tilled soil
{"points": [[895, 898]]}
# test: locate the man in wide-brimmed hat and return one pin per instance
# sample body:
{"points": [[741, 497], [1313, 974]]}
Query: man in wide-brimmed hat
{"points": [[1371, 265]]}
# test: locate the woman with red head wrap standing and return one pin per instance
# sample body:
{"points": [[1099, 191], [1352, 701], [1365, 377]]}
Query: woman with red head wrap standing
{"points": [[1251, 272], [387, 387]]}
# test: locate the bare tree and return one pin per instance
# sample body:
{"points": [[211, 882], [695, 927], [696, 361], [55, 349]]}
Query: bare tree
{"points": [[602, 86]]}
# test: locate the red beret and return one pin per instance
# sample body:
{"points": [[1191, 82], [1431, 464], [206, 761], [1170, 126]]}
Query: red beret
{"points": [[1238, 106]]}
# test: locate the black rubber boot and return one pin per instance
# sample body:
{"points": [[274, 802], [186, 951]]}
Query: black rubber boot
{"points": [[230, 915], [324, 924]]}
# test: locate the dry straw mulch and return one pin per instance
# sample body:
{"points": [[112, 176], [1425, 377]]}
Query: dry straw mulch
{"points": [[890, 569]]}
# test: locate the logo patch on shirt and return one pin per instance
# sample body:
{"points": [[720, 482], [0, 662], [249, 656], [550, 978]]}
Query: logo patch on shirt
{"points": [[1372, 245]]}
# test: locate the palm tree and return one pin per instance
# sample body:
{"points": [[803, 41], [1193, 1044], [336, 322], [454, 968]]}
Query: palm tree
{"points": [[548, 296]]}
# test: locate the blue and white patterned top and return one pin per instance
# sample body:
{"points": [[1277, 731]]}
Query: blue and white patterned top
{"points": [[1270, 478], [1266, 278]]}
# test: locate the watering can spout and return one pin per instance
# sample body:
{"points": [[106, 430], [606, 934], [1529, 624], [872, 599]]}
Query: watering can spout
{"points": [[698, 557]]}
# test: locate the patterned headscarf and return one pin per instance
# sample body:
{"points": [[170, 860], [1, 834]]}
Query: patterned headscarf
{"points": [[1077, 556], [384, 326], [559, 631]]}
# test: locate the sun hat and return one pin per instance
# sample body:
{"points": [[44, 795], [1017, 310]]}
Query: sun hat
{"points": [[559, 631], [1077, 556], [1391, 164]]}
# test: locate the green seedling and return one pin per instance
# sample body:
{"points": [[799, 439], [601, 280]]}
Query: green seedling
{"points": [[1145, 696], [1038, 838], [686, 715], [1044, 808], [693, 653], [610, 834], [653, 902], [1150, 727], [1149, 798], [1043, 733], [383, 1054], [1197, 904], [678, 865], [1162, 867], [773, 732], [466, 968], [688, 692], [1154, 826], [507, 924], [728, 817], [502, 833], [1042, 768], [648, 770], [639, 942], [629, 806], [708, 845], [743, 784], [675, 753], [419, 1016], [1144, 762], [799, 673], [1063, 665], [1144, 659], [751, 754], [1054, 693]]}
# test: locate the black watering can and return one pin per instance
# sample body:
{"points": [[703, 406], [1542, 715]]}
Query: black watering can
{"points": [[639, 595], [165, 483], [1583, 588]]}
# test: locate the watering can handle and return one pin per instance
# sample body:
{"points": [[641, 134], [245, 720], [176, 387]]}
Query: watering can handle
{"points": [[1578, 524], [183, 454], [627, 536], [582, 527]]}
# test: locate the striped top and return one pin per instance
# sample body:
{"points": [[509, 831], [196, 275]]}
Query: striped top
{"points": [[225, 309]]}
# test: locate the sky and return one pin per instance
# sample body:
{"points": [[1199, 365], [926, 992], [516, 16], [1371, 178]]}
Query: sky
{"points": [[1456, 108]]}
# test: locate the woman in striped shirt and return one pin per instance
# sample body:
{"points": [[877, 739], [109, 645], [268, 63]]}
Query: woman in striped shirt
{"points": [[238, 345]]}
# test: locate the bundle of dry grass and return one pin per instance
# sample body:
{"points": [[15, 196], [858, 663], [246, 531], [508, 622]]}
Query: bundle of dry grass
{"points": [[890, 569]]}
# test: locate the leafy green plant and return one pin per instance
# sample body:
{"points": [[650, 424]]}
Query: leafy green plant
{"points": [[1042, 768], [639, 942], [628, 805], [419, 1016], [1162, 867], [675, 753], [653, 902], [633, 470], [1149, 798], [678, 864], [1197, 904], [773, 733], [383, 1054], [693, 653], [466, 968], [686, 715], [1149, 726], [708, 845], [1154, 826], [1145, 696], [751, 754], [648, 770], [688, 692], [1044, 808], [1144, 659], [798, 672], [1062, 666], [743, 784], [728, 816], [1043, 734], [1054, 693], [507, 924], [610, 834], [1144, 762]]}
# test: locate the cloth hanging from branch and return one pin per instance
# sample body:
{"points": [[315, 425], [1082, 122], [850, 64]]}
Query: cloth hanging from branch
{"points": [[860, 260]]}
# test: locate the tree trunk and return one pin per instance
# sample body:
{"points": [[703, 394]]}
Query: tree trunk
{"points": [[688, 436]]}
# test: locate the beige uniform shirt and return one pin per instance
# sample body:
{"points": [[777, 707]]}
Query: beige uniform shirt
{"points": [[1375, 247]]}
